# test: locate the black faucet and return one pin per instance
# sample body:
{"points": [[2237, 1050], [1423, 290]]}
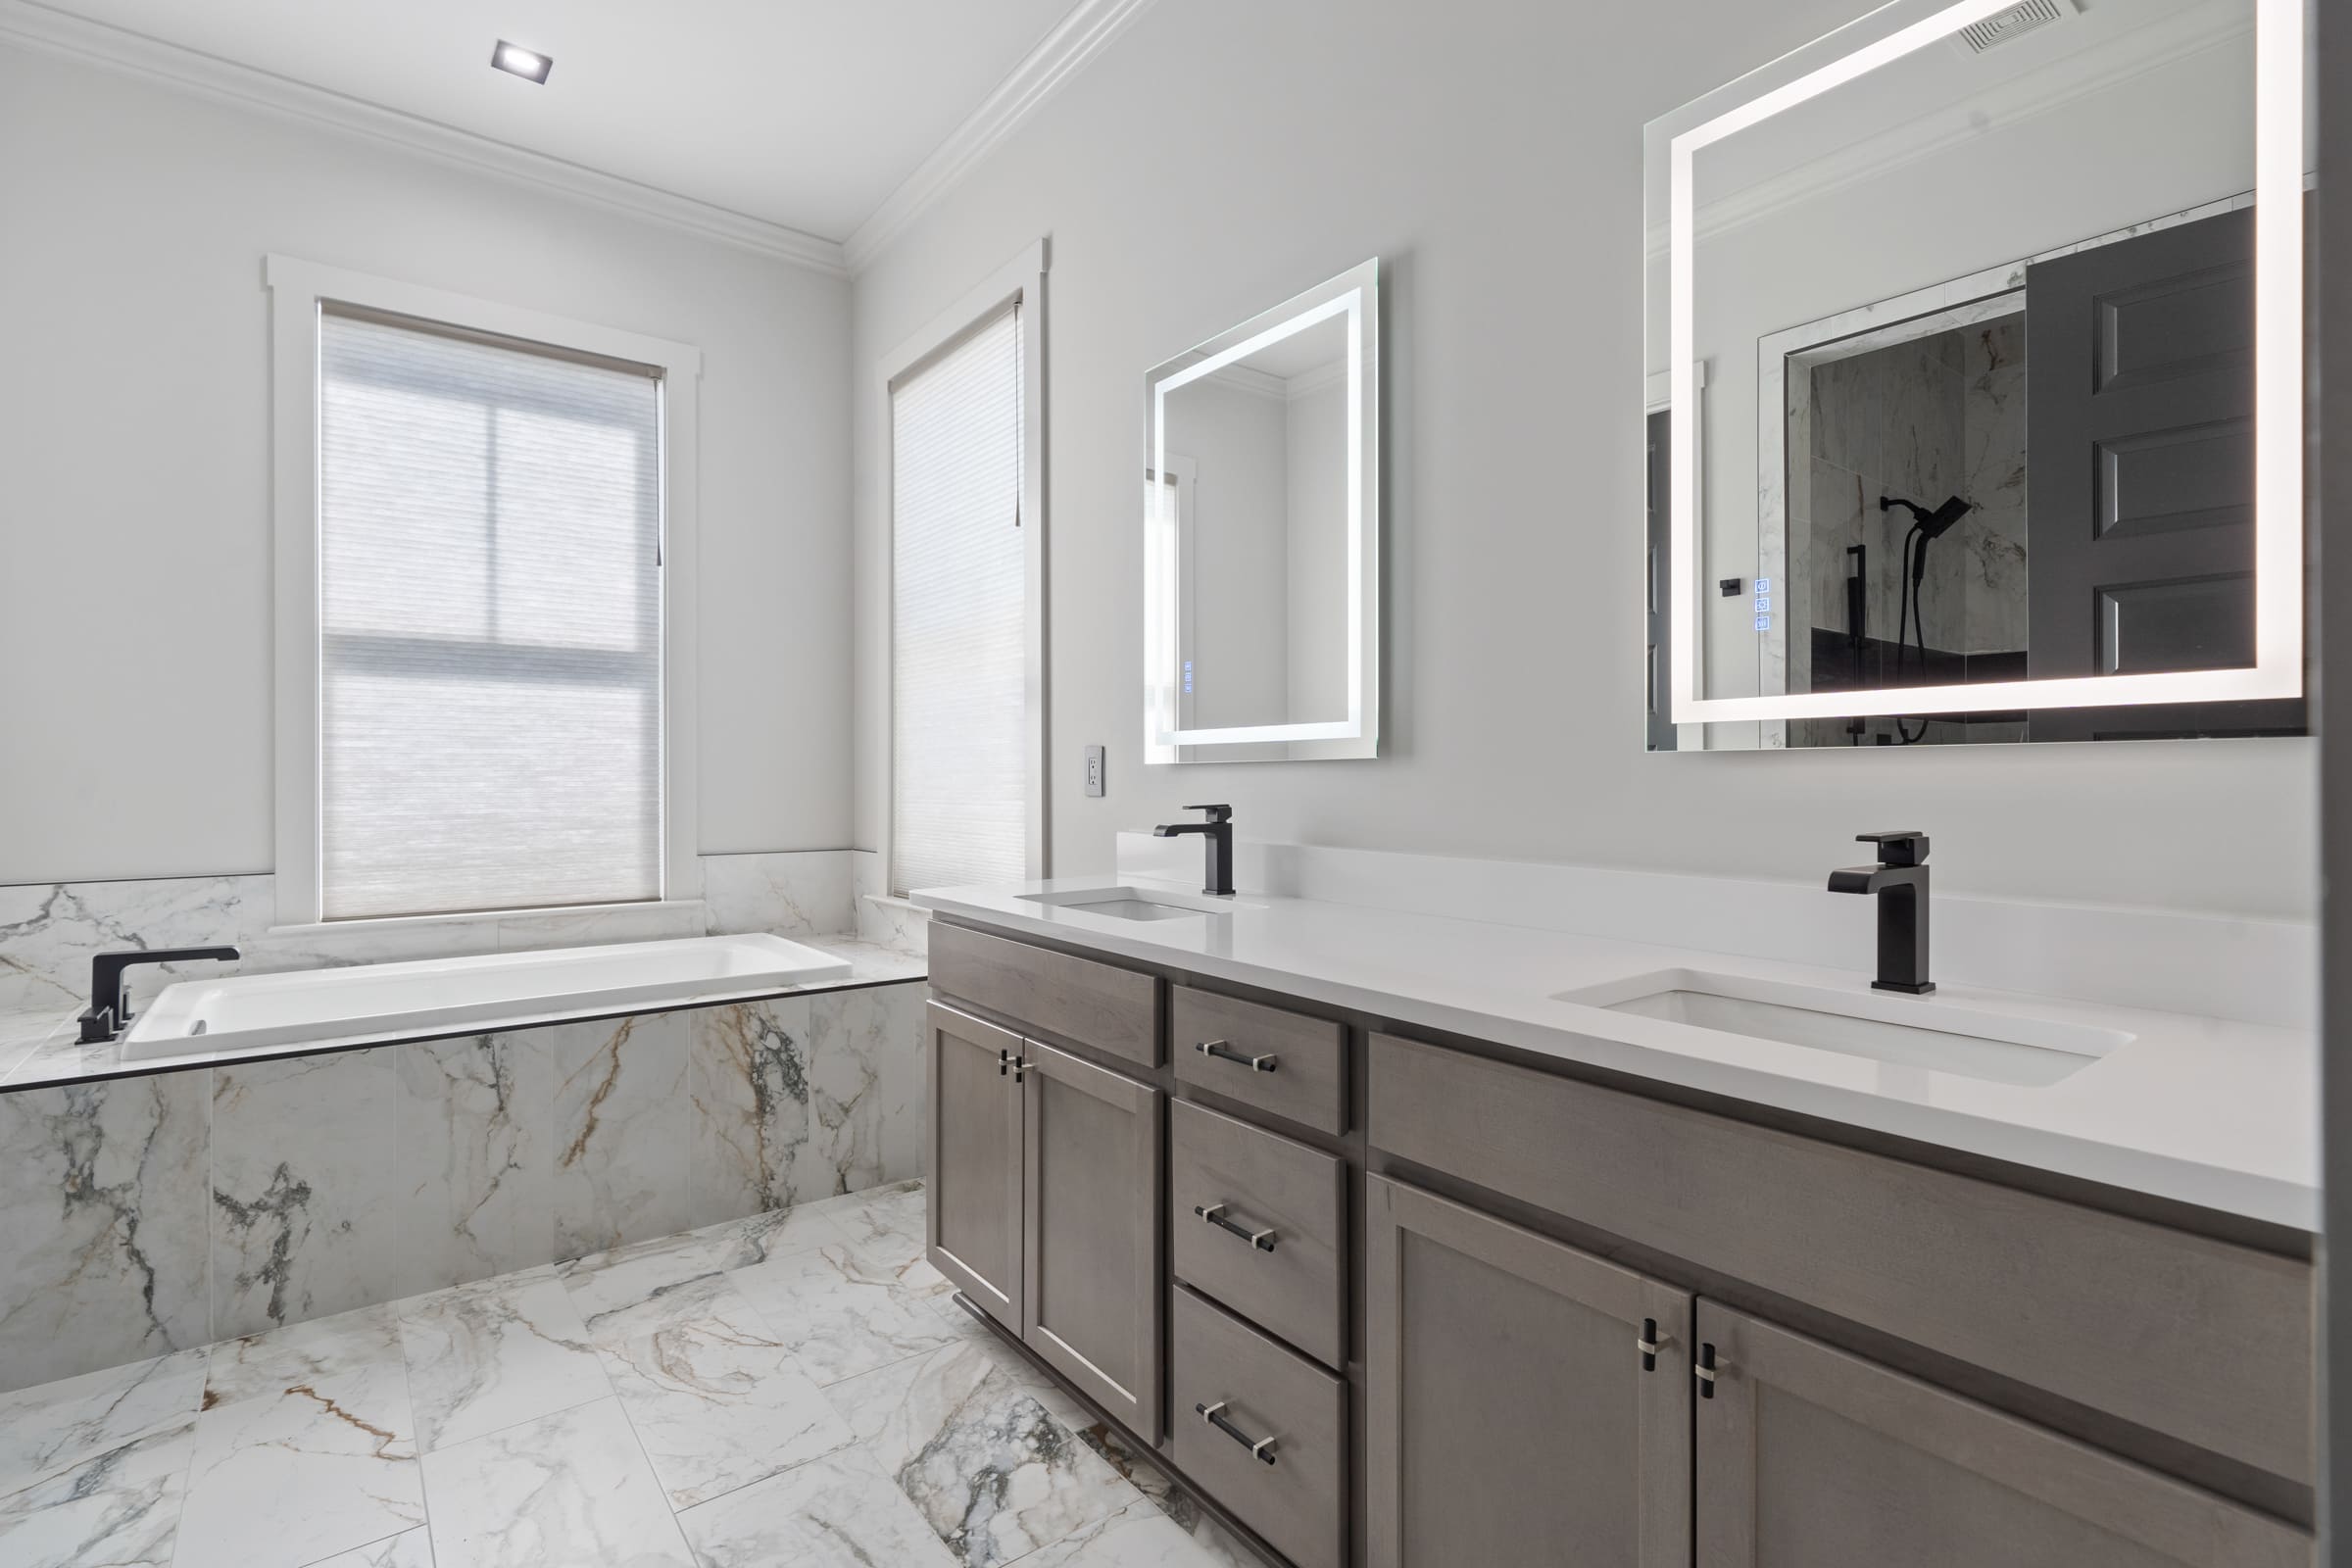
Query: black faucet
{"points": [[1218, 830], [109, 1012], [1900, 882]]}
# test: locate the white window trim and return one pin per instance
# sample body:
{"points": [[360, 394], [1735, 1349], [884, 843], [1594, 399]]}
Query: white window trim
{"points": [[297, 289], [1023, 278]]}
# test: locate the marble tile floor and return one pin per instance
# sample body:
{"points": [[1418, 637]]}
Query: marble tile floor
{"points": [[795, 1389]]}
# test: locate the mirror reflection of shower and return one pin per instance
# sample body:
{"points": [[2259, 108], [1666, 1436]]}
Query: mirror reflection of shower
{"points": [[1906, 519], [1930, 528]]}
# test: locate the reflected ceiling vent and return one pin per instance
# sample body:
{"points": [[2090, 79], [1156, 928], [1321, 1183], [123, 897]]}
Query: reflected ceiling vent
{"points": [[2007, 27]]}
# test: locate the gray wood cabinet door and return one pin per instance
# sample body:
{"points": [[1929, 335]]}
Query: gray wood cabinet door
{"points": [[1512, 1419], [1091, 1287], [973, 1224], [1809, 1457]]}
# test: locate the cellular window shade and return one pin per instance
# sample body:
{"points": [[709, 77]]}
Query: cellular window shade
{"points": [[490, 625], [959, 616]]}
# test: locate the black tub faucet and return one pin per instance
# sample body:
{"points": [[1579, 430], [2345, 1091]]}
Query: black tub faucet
{"points": [[109, 1012], [1900, 883], [1218, 830]]}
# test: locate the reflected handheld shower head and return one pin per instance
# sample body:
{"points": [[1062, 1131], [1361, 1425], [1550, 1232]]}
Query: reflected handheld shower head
{"points": [[1931, 525]]}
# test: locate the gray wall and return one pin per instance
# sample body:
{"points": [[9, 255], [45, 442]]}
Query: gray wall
{"points": [[1222, 154], [2334, 714], [135, 609]]}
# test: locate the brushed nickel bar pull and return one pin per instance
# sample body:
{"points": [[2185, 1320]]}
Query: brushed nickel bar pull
{"points": [[1214, 1213], [1214, 1415], [1704, 1371], [1218, 1050], [1647, 1344]]}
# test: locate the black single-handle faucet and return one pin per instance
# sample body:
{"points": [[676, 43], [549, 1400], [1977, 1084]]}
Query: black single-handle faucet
{"points": [[1218, 830], [109, 1012], [1900, 882]]}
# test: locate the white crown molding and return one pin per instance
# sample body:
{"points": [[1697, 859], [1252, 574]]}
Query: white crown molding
{"points": [[1078, 38], [72, 37], [1249, 381], [2184, 35], [1306, 383]]}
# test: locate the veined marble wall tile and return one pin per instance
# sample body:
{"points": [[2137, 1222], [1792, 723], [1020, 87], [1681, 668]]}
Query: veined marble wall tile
{"points": [[50, 930], [865, 1084], [621, 1125], [101, 1225], [805, 893], [754, 1126], [476, 1156], [305, 1220], [892, 923], [580, 928], [1994, 537], [884, 1025]]}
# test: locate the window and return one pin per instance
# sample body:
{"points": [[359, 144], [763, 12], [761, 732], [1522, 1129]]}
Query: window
{"points": [[485, 620], [959, 671], [967, 652]]}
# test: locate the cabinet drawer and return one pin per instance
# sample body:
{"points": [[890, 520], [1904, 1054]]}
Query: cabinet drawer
{"points": [[1285, 1275], [2197, 1339], [1292, 1491], [1285, 1063], [1096, 1005]]}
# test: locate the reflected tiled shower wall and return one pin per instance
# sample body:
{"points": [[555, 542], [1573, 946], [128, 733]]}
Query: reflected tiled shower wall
{"points": [[1935, 417]]}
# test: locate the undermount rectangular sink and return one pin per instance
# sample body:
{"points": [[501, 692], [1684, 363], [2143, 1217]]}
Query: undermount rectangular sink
{"points": [[1901, 1031], [1137, 904]]}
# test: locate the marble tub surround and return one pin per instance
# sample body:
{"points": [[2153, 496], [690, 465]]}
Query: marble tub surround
{"points": [[49, 1051], [885, 916], [50, 930], [152, 1212], [2199, 1108], [634, 1406]]}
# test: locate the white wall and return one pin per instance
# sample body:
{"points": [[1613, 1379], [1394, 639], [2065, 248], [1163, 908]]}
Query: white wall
{"points": [[1315, 530], [1231, 622], [134, 464], [1224, 154]]}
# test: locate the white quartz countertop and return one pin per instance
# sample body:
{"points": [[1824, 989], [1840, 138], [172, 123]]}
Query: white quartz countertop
{"points": [[2207, 1111]]}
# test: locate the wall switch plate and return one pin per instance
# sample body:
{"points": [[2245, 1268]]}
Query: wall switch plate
{"points": [[1094, 771]]}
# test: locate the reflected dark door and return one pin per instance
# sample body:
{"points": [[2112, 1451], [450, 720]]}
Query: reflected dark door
{"points": [[2139, 412]]}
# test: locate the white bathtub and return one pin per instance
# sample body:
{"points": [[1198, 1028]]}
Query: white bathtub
{"points": [[436, 995]]}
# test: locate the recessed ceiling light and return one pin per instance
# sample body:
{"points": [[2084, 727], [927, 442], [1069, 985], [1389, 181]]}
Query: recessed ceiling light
{"points": [[527, 63]]}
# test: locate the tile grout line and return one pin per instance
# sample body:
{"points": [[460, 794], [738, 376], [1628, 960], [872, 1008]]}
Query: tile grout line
{"points": [[407, 1389]]}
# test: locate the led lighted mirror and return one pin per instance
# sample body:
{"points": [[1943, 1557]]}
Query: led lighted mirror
{"points": [[1261, 536], [1976, 392]]}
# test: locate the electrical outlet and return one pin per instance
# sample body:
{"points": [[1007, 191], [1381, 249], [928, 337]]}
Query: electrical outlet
{"points": [[1093, 770]]}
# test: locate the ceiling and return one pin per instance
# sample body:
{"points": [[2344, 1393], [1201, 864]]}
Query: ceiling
{"points": [[803, 113]]}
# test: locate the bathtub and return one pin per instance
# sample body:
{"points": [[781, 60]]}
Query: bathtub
{"points": [[444, 995]]}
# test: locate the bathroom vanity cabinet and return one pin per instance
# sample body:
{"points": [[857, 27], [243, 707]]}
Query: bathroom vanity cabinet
{"points": [[1394, 1302]]}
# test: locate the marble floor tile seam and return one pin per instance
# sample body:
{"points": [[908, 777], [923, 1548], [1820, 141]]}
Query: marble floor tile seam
{"points": [[891, 1203]]}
